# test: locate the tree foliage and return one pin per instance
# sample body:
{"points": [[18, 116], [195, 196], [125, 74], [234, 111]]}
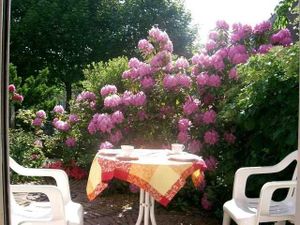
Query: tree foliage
{"points": [[66, 35]]}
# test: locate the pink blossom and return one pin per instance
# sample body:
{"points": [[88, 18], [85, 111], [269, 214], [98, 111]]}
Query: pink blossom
{"points": [[229, 137], [183, 137], [211, 137], [238, 54], [127, 98], [59, 109], [211, 163], [183, 80], [169, 68], [93, 105], [233, 74], [214, 81], [117, 117], [262, 27], [181, 63], [142, 115], [41, 114], [161, 59], [38, 143], [209, 117], [100, 122], [202, 79], [37, 122], [264, 48], [194, 146], [106, 145], [184, 124], [73, 118], [240, 32], [169, 81], [112, 101], [205, 203], [108, 89], [130, 74], [217, 62], [86, 96], [70, 142], [116, 136], [138, 99], [213, 35], [210, 45], [17, 97], [61, 125], [11, 88], [145, 46], [190, 106], [222, 25], [158, 35], [144, 69], [168, 46], [147, 82]]}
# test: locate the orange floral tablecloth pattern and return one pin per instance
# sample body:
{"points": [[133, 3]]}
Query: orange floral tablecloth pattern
{"points": [[162, 181]]}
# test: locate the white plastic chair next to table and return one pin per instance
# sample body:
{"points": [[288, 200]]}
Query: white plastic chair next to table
{"points": [[252, 211], [60, 210]]}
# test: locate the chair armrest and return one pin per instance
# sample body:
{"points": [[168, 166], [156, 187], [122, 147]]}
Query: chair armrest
{"points": [[52, 192], [267, 192], [60, 176], [242, 175]]}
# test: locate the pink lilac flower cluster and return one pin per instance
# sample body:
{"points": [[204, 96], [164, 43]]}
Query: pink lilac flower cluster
{"points": [[184, 124], [108, 89], [264, 48], [87, 96], [70, 142], [145, 47], [191, 105], [238, 54], [222, 25], [15, 96], [209, 117], [138, 99], [240, 32], [194, 146], [181, 63], [61, 125], [112, 101], [100, 122], [211, 163], [282, 37], [204, 79], [229, 138], [162, 38], [262, 27], [174, 82], [73, 118], [59, 109], [39, 119], [211, 137]]}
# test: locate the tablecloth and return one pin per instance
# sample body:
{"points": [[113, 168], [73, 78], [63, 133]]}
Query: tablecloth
{"points": [[162, 181]]}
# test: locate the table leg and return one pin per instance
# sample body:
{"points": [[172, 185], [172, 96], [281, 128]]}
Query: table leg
{"points": [[146, 208]]}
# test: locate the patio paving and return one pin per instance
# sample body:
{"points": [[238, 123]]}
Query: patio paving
{"points": [[122, 209]]}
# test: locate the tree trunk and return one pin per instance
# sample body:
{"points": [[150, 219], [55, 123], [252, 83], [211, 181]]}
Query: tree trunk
{"points": [[68, 95]]}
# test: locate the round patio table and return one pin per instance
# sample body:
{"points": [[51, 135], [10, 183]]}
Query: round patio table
{"points": [[159, 173]]}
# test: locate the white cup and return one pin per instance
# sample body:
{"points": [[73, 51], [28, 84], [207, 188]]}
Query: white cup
{"points": [[177, 148], [127, 149]]}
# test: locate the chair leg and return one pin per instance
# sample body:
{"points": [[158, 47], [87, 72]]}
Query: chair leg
{"points": [[226, 219], [280, 223]]}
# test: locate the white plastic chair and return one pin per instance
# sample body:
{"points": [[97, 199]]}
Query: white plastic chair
{"points": [[252, 211], [60, 210]]}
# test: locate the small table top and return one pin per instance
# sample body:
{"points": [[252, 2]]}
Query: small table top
{"points": [[157, 171]]}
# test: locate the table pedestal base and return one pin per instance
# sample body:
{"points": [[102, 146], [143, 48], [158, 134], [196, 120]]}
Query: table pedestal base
{"points": [[146, 209]]}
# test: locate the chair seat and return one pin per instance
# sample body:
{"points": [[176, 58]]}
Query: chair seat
{"points": [[246, 212]]}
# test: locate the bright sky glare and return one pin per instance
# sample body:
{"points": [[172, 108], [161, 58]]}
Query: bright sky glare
{"points": [[205, 13]]}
